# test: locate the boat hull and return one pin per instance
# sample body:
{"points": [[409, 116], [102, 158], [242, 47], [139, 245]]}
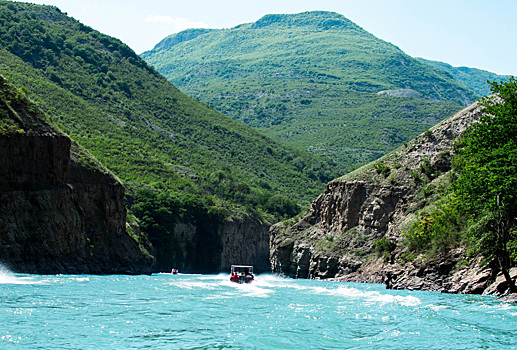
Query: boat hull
{"points": [[241, 279]]}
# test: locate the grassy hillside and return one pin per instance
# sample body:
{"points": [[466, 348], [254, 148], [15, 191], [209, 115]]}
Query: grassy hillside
{"points": [[312, 80], [475, 79], [144, 129]]}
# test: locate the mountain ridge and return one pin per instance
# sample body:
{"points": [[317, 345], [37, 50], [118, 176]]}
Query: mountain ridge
{"points": [[324, 20], [332, 20], [292, 80], [474, 78]]}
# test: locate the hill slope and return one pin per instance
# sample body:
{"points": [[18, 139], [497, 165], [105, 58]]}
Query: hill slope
{"points": [[404, 220], [130, 117], [181, 161], [312, 80], [475, 79]]}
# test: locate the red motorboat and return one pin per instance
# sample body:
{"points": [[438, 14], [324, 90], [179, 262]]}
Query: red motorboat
{"points": [[242, 274]]}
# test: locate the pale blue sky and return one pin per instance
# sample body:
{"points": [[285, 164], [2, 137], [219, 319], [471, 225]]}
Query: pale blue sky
{"points": [[473, 33]]}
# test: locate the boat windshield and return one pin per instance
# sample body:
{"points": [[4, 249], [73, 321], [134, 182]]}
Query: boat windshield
{"points": [[238, 269]]}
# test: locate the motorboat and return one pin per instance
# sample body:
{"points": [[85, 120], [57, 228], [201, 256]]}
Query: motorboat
{"points": [[242, 274]]}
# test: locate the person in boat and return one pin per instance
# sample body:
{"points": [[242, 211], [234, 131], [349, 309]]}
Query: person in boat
{"points": [[247, 272], [235, 277]]}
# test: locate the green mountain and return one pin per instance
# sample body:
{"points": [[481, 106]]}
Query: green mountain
{"points": [[179, 158], [314, 80], [475, 79]]}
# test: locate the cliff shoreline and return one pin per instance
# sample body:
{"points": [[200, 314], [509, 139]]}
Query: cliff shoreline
{"points": [[338, 237]]}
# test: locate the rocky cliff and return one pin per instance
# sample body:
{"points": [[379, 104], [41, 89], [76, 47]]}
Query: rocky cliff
{"points": [[60, 211], [337, 237], [210, 246], [245, 241]]}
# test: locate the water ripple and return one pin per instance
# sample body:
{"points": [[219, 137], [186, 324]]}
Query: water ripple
{"points": [[166, 311]]}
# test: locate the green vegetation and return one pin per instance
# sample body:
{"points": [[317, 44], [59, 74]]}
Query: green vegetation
{"points": [[478, 210], [475, 79], [488, 174], [152, 136], [10, 122], [311, 80], [382, 168], [438, 228], [13, 118], [384, 247]]}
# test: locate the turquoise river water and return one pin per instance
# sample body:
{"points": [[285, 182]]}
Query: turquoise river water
{"points": [[165, 311]]}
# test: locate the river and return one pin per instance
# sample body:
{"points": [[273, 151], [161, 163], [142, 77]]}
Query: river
{"points": [[164, 311]]}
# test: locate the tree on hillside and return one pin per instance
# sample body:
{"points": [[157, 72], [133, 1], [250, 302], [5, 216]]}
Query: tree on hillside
{"points": [[488, 173]]}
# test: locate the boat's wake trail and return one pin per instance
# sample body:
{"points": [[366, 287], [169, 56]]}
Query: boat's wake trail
{"points": [[7, 277]]}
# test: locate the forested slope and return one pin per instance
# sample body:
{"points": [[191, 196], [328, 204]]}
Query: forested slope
{"points": [[180, 160], [133, 120]]}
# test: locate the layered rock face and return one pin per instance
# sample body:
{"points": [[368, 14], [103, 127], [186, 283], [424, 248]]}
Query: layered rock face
{"points": [[337, 236], [348, 217], [59, 211], [246, 242]]}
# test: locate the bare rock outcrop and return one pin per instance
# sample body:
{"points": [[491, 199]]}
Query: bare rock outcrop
{"points": [[444, 273], [245, 241], [347, 217], [73, 222], [500, 285], [337, 237]]}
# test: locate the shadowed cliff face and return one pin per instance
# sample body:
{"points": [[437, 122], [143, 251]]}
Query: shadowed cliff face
{"points": [[208, 247], [38, 160], [73, 222], [336, 237], [58, 215], [246, 242]]}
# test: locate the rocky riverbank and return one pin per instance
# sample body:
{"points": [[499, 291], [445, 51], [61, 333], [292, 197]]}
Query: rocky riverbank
{"points": [[351, 231]]}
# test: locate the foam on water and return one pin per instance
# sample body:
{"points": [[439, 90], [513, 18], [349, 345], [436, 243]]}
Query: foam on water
{"points": [[165, 311], [374, 296], [260, 287], [7, 277], [82, 279], [340, 291]]}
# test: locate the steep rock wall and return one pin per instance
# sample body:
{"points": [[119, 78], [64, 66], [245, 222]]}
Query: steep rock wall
{"points": [[347, 217], [211, 247], [59, 216], [39, 159], [245, 241]]}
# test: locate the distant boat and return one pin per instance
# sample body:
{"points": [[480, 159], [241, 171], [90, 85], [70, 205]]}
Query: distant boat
{"points": [[242, 274], [174, 272]]}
